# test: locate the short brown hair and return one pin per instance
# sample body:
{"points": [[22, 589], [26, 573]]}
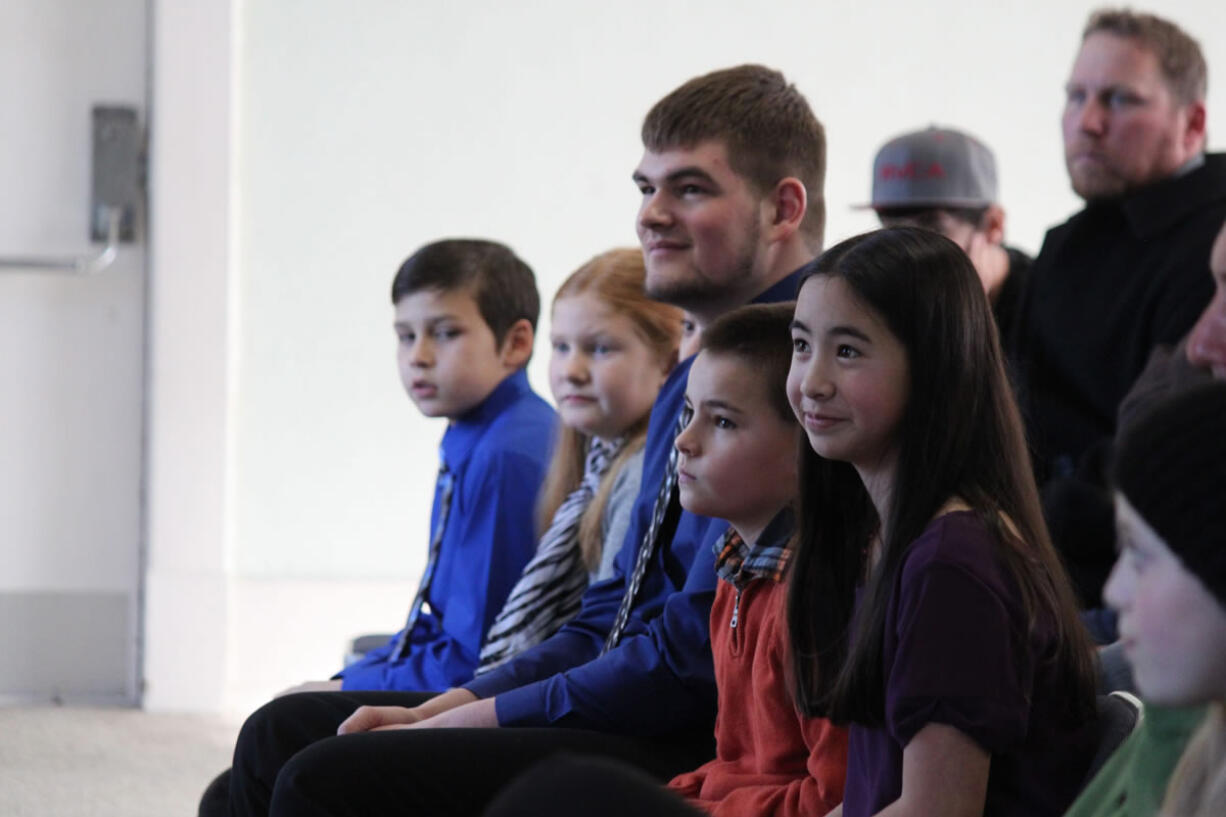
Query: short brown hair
{"points": [[1179, 56], [498, 280], [766, 125], [761, 336]]}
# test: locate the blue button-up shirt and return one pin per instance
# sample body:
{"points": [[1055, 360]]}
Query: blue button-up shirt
{"points": [[660, 678], [497, 455]]}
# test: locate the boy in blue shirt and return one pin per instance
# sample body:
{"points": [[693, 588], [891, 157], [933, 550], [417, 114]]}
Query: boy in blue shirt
{"points": [[466, 314], [731, 182]]}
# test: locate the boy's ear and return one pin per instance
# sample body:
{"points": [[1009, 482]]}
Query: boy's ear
{"points": [[516, 348], [788, 202]]}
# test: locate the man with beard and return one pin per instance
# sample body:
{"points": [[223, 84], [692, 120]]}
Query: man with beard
{"points": [[1125, 273]]}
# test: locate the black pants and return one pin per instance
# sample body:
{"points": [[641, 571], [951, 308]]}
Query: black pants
{"points": [[590, 787], [289, 760]]}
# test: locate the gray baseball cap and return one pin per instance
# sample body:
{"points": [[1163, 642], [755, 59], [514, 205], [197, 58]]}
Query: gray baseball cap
{"points": [[936, 167]]}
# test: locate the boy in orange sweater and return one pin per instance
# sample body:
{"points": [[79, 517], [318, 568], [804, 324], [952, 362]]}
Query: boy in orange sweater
{"points": [[738, 459]]}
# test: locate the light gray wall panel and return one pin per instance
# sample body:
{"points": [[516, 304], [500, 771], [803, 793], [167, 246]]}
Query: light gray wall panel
{"points": [[57, 645]]}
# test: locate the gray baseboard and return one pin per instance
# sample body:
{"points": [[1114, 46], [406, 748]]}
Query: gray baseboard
{"points": [[66, 647]]}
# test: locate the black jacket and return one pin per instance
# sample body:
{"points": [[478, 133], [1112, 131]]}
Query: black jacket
{"points": [[1109, 284]]}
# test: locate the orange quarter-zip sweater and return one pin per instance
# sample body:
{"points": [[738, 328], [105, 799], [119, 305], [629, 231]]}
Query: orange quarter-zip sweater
{"points": [[770, 759]]}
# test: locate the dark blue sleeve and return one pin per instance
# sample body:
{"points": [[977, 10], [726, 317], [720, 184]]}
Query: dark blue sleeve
{"points": [[488, 540], [658, 680], [580, 639]]}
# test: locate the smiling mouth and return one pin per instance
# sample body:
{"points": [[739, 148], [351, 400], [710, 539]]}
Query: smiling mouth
{"points": [[820, 422], [666, 246]]}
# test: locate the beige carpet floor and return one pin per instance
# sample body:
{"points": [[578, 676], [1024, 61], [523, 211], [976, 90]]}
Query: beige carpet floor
{"points": [[82, 762]]}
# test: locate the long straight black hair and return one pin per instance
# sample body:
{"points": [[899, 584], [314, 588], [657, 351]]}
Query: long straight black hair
{"points": [[960, 436]]}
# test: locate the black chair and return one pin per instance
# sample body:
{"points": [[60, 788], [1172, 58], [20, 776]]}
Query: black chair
{"points": [[1114, 671], [1119, 713], [364, 644]]}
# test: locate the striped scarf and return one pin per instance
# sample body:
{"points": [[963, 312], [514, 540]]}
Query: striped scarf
{"points": [[549, 591]]}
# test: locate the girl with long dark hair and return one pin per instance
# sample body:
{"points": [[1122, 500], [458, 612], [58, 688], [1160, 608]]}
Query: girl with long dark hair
{"points": [[927, 607]]}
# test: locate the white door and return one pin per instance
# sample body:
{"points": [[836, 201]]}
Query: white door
{"points": [[72, 379]]}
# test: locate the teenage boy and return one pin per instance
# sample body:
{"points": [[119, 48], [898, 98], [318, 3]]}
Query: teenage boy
{"points": [[944, 180], [738, 463], [731, 181]]}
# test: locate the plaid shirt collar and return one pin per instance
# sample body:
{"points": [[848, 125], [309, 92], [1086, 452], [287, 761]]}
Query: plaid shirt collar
{"points": [[738, 563]]}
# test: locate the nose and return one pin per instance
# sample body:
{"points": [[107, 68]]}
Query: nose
{"points": [[687, 440], [1207, 340], [1117, 591], [654, 213], [816, 383], [1092, 118], [421, 355], [575, 368]]}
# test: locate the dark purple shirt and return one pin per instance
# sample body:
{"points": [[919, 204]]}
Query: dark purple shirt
{"points": [[957, 653]]}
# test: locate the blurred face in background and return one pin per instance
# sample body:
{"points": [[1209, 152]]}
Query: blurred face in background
{"points": [[1172, 628], [1207, 340], [1123, 126]]}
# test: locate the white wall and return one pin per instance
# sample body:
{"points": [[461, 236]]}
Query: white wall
{"points": [[190, 461], [362, 130]]}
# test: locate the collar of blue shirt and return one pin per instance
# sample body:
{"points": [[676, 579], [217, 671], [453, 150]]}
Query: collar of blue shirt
{"points": [[464, 432]]}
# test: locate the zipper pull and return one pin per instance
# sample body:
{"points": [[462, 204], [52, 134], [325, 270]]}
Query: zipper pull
{"points": [[736, 608]]}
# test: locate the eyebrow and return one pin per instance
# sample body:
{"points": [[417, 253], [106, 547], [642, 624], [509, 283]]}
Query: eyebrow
{"points": [[848, 330], [834, 330], [585, 335], [678, 174], [1106, 89], [721, 405], [431, 319]]}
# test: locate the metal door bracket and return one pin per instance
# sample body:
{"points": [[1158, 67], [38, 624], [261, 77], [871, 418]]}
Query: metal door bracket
{"points": [[118, 191]]}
